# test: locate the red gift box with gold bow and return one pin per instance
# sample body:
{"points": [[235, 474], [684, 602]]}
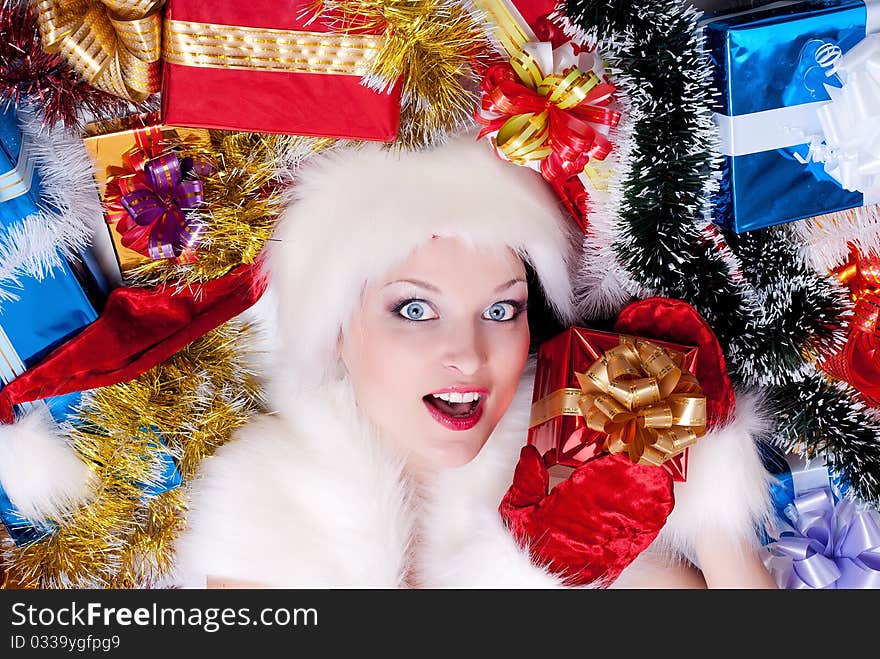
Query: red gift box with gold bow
{"points": [[265, 66], [600, 391]]}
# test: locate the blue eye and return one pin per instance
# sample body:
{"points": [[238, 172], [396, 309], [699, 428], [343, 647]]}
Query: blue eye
{"points": [[502, 311], [415, 310]]}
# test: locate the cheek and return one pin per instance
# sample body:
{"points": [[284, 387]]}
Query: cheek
{"points": [[509, 352], [394, 356], [387, 370]]}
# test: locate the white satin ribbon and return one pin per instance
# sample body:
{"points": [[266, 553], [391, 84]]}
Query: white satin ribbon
{"points": [[767, 130], [850, 121], [11, 365], [17, 181]]}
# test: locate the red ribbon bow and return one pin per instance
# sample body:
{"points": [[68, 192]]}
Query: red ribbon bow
{"points": [[859, 361], [572, 139], [549, 118]]}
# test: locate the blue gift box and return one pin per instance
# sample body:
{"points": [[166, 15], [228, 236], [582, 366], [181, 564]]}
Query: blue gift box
{"points": [[44, 313], [793, 475], [771, 66]]}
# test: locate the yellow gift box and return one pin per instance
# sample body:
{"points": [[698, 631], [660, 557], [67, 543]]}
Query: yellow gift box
{"points": [[109, 141]]}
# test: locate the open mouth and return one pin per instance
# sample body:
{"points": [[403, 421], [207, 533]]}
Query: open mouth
{"points": [[456, 410]]}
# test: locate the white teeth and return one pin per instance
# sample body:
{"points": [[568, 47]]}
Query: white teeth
{"points": [[456, 397]]}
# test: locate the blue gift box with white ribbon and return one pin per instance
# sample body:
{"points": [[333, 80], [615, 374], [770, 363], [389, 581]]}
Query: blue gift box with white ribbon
{"points": [[36, 315], [798, 111], [39, 314]]}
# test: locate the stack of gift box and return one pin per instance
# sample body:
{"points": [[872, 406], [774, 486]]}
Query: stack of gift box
{"points": [[37, 313], [41, 307], [217, 72]]}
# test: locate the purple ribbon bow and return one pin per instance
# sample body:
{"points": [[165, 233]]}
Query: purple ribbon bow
{"points": [[829, 545], [169, 187]]}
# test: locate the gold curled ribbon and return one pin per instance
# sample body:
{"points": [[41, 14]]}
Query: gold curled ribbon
{"points": [[649, 407], [113, 44]]}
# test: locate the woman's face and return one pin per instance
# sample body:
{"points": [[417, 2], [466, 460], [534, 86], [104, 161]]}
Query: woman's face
{"points": [[436, 350]]}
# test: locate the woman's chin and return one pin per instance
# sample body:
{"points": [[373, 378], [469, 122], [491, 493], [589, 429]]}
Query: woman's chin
{"points": [[457, 450], [439, 448]]}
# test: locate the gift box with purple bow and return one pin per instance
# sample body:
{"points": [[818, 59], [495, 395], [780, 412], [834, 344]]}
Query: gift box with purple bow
{"points": [[150, 189], [821, 538]]}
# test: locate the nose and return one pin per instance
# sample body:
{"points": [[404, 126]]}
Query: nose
{"points": [[464, 350]]}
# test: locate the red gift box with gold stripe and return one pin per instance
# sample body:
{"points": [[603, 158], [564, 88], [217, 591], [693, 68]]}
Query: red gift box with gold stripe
{"points": [[659, 402], [264, 66]]}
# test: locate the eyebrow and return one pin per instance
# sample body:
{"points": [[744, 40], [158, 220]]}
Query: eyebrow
{"points": [[434, 289], [510, 283]]}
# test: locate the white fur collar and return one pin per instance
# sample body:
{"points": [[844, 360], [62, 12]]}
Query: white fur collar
{"points": [[303, 498], [308, 498]]}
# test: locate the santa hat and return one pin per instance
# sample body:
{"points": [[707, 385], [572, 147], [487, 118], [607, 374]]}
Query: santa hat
{"points": [[358, 211]]}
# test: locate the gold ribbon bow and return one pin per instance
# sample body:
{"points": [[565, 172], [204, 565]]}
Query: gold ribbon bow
{"points": [[113, 44], [648, 406]]}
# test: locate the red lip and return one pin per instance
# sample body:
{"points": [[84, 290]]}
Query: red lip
{"points": [[456, 422]]}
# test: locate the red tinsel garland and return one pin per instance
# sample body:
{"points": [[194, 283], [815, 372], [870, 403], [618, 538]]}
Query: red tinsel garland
{"points": [[31, 76]]}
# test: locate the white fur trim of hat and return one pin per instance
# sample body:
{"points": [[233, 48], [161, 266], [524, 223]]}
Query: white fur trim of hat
{"points": [[357, 212], [40, 471]]}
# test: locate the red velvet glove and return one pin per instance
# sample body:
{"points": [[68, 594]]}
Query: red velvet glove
{"points": [[593, 524], [677, 321]]}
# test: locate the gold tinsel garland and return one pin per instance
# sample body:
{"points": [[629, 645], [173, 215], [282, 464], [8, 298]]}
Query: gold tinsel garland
{"points": [[435, 45], [122, 537], [244, 196]]}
